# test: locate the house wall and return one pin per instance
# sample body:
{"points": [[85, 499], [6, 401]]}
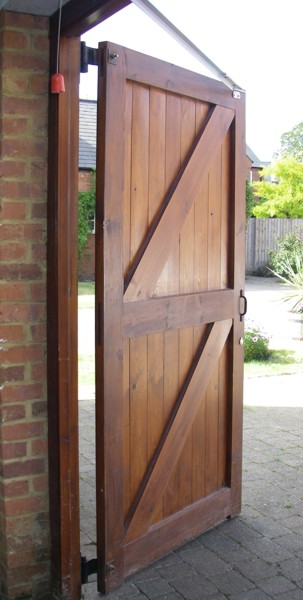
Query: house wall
{"points": [[87, 266], [84, 180], [248, 168], [255, 174], [24, 516]]}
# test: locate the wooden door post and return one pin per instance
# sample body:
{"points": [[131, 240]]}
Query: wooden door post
{"points": [[62, 326]]}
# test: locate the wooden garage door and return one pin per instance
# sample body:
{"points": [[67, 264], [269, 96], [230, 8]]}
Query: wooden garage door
{"points": [[169, 275]]}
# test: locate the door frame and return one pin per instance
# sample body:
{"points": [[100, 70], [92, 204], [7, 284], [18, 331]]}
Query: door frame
{"points": [[62, 280]]}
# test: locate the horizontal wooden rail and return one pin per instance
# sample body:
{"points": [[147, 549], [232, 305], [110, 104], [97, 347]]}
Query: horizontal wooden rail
{"points": [[173, 312]]}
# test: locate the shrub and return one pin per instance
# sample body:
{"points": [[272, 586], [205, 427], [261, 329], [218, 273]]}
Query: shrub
{"points": [[290, 249], [294, 278], [256, 343], [86, 213], [250, 200]]}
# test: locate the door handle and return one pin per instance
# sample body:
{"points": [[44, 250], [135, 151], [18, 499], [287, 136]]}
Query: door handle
{"points": [[244, 311]]}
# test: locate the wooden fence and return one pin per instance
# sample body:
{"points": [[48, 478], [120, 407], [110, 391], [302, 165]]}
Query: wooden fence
{"points": [[263, 235]]}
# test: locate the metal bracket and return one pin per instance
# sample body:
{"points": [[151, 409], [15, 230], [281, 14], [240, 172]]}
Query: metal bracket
{"points": [[236, 94], [88, 567], [112, 57], [110, 568], [88, 56]]}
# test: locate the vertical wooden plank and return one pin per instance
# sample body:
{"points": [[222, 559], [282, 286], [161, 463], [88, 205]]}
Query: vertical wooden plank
{"points": [[169, 281], [225, 211], [139, 166], [155, 391], [157, 143], [187, 247], [201, 219], [126, 430], [200, 283], [126, 261], [139, 211], [171, 388], [156, 191], [62, 326], [109, 341], [155, 378], [258, 240], [214, 281], [214, 222], [199, 439], [250, 247], [211, 433], [157, 167], [138, 426], [237, 260], [225, 281], [187, 234], [127, 176], [223, 416], [262, 238], [183, 493]]}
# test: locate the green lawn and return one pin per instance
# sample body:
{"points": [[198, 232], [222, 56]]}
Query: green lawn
{"points": [[86, 288], [86, 369], [86, 295], [282, 362]]}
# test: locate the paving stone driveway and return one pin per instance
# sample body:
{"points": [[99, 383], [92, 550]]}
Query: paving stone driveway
{"points": [[258, 555], [255, 556]]}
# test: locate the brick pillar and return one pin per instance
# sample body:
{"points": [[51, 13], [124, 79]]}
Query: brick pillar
{"points": [[24, 520]]}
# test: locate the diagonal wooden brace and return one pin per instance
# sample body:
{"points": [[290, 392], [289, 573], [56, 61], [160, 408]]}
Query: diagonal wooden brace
{"points": [[150, 265], [168, 451]]}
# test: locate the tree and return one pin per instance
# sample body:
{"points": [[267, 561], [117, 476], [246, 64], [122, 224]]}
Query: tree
{"points": [[292, 143], [282, 196], [250, 200]]}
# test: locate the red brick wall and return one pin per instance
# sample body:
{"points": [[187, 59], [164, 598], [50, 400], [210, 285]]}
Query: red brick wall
{"points": [[24, 529], [248, 168], [252, 173], [87, 266], [256, 174], [84, 180]]}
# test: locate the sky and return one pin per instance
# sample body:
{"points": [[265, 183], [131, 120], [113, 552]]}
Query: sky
{"points": [[258, 44]]}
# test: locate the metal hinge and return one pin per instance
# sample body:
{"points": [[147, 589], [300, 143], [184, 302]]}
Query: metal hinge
{"points": [[89, 56], [88, 567]]}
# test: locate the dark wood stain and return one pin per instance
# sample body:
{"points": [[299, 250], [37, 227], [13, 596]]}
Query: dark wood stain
{"points": [[170, 181]]}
